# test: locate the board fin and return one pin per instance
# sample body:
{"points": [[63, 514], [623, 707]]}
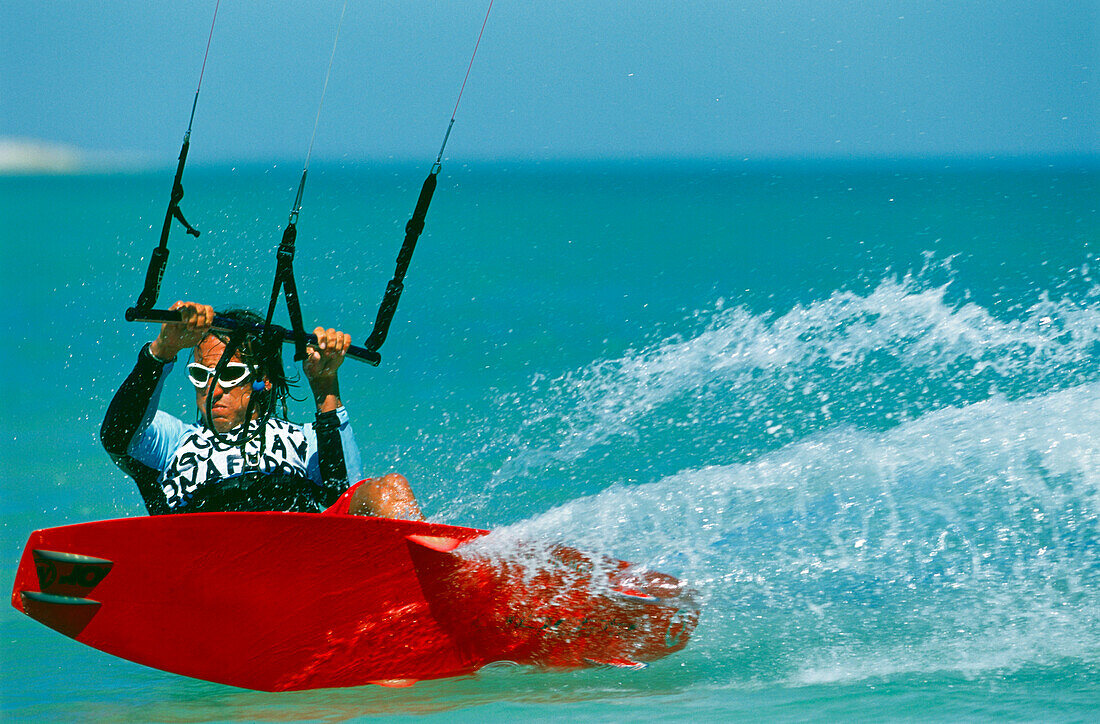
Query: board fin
{"points": [[68, 574], [66, 614]]}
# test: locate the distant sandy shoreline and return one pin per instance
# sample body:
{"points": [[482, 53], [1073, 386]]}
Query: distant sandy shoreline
{"points": [[33, 156]]}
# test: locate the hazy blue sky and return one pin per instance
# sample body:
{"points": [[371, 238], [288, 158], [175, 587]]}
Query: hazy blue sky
{"points": [[600, 78]]}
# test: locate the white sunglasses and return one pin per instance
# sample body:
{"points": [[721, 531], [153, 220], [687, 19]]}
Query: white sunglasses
{"points": [[234, 374]]}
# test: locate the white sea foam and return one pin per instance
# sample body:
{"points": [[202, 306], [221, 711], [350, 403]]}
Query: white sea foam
{"points": [[32, 156], [27, 156]]}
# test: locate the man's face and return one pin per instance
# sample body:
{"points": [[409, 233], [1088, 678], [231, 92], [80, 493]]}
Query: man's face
{"points": [[230, 406]]}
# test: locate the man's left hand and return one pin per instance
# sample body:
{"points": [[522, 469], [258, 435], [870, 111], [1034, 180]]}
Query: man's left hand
{"points": [[321, 365]]}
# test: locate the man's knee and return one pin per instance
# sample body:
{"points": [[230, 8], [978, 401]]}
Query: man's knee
{"points": [[389, 482], [389, 496]]}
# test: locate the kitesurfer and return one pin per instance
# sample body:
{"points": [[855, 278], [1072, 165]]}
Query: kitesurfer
{"points": [[228, 462]]}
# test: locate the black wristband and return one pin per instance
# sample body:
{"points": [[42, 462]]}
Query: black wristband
{"points": [[149, 353], [327, 420]]}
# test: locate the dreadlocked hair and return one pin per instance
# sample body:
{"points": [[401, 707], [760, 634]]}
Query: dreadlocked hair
{"points": [[266, 358]]}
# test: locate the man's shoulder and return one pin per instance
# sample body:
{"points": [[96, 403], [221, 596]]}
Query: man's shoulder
{"points": [[168, 423]]}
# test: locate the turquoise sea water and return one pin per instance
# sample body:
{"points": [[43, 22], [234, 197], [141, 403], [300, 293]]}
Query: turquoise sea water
{"points": [[856, 406]]}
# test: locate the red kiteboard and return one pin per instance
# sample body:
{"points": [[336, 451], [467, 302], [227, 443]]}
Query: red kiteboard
{"points": [[284, 601]]}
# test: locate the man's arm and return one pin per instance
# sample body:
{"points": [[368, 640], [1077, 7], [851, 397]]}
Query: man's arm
{"points": [[139, 438], [130, 438], [336, 463], [337, 454]]}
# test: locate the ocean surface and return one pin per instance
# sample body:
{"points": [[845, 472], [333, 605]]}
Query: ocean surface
{"points": [[856, 406]]}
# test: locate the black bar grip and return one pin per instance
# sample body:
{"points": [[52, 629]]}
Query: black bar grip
{"points": [[159, 259], [177, 191], [224, 324], [157, 262], [415, 226], [385, 315], [413, 229]]}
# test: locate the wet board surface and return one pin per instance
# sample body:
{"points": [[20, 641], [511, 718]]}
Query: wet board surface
{"points": [[284, 601]]}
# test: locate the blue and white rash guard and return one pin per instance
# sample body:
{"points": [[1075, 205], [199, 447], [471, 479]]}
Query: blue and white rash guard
{"points": [[181, 467]]}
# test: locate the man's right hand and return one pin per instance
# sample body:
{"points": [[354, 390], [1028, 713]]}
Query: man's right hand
{"points": [[175, 336]]}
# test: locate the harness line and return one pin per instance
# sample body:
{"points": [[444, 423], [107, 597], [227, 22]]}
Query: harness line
{"points": [[272, 334], [284, 257], [414, 227], [158, 260]]}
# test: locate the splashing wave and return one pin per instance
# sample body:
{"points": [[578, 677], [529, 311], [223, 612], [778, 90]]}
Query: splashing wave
{"points": [[748, 384], [868, 485]]}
